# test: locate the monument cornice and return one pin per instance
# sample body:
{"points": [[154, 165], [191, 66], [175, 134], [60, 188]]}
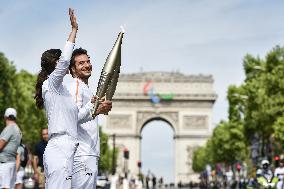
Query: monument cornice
{"points": [[192, 136], [127, 136], [146, 103], [175, 77], [139, 96], [178, 136]]}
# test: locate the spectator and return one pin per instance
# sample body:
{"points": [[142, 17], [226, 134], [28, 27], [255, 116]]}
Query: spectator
{"points": [[21, 160], [154, 181], [279, 172], [147, 182], [161, 182], [38, 159], [10, 140]]}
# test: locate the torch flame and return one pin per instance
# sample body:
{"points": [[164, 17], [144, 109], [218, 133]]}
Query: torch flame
{"points": [[122, 29]]}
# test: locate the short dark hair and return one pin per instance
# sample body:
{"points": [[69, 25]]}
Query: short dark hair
{"points": [[75, 53], [43, 128]]}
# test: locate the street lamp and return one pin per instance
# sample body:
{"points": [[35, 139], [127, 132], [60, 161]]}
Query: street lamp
{"points": [[258, 68], [240, 96], [139, 164], [113, 155], [126, 157]]}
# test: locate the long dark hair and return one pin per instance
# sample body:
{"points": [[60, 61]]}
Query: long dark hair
{"points": [[48, 63]]}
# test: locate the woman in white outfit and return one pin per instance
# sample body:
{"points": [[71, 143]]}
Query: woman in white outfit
{"points": [[62, 113]]}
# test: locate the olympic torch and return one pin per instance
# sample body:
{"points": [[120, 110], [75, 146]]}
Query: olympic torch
{"points": [[110, 74]]}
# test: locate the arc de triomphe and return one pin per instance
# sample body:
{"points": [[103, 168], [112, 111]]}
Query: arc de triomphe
{"points": [[186, 105]]}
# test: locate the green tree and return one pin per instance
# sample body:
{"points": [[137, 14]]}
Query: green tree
{"points": [[105, 163], [30, 118], [17, 91], [199, 159], [7, 74], [228, 143], [255, 107], [237, 102], [202, 156], [279, 129], [264, 87]]}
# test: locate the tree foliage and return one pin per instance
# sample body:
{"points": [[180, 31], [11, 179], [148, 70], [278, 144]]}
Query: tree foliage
{"points": [[17, 91], [202, 156], [264, 87], [31, 118], [255, 107], [199, 159], [7, 74], [105, 163], [228, 143]]}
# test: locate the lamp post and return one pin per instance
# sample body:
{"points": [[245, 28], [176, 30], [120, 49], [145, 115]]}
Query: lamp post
{"points": [[240, 96], [113, 155], [126, 157], [259, 68], [139, 164]]}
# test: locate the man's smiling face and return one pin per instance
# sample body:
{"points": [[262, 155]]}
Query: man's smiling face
{"points": [[83, 67]]}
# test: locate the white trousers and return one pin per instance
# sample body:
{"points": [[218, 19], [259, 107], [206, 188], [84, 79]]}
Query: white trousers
{"points": [[279, 185], [58, 161], [20, 177], [85, 171], [7, 175]]}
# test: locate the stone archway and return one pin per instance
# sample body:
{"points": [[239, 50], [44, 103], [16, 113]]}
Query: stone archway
{"points": [[157, 150], [189, 112], [145, 117]]}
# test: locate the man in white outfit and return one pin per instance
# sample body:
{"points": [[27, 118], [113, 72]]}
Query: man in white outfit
{"points": [[279, 172], [10, 140], [85, 167]]}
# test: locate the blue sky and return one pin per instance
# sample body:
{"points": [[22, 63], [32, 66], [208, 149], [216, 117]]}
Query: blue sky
{"points": [[208, 37], [157, 151], [193, 37]]}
